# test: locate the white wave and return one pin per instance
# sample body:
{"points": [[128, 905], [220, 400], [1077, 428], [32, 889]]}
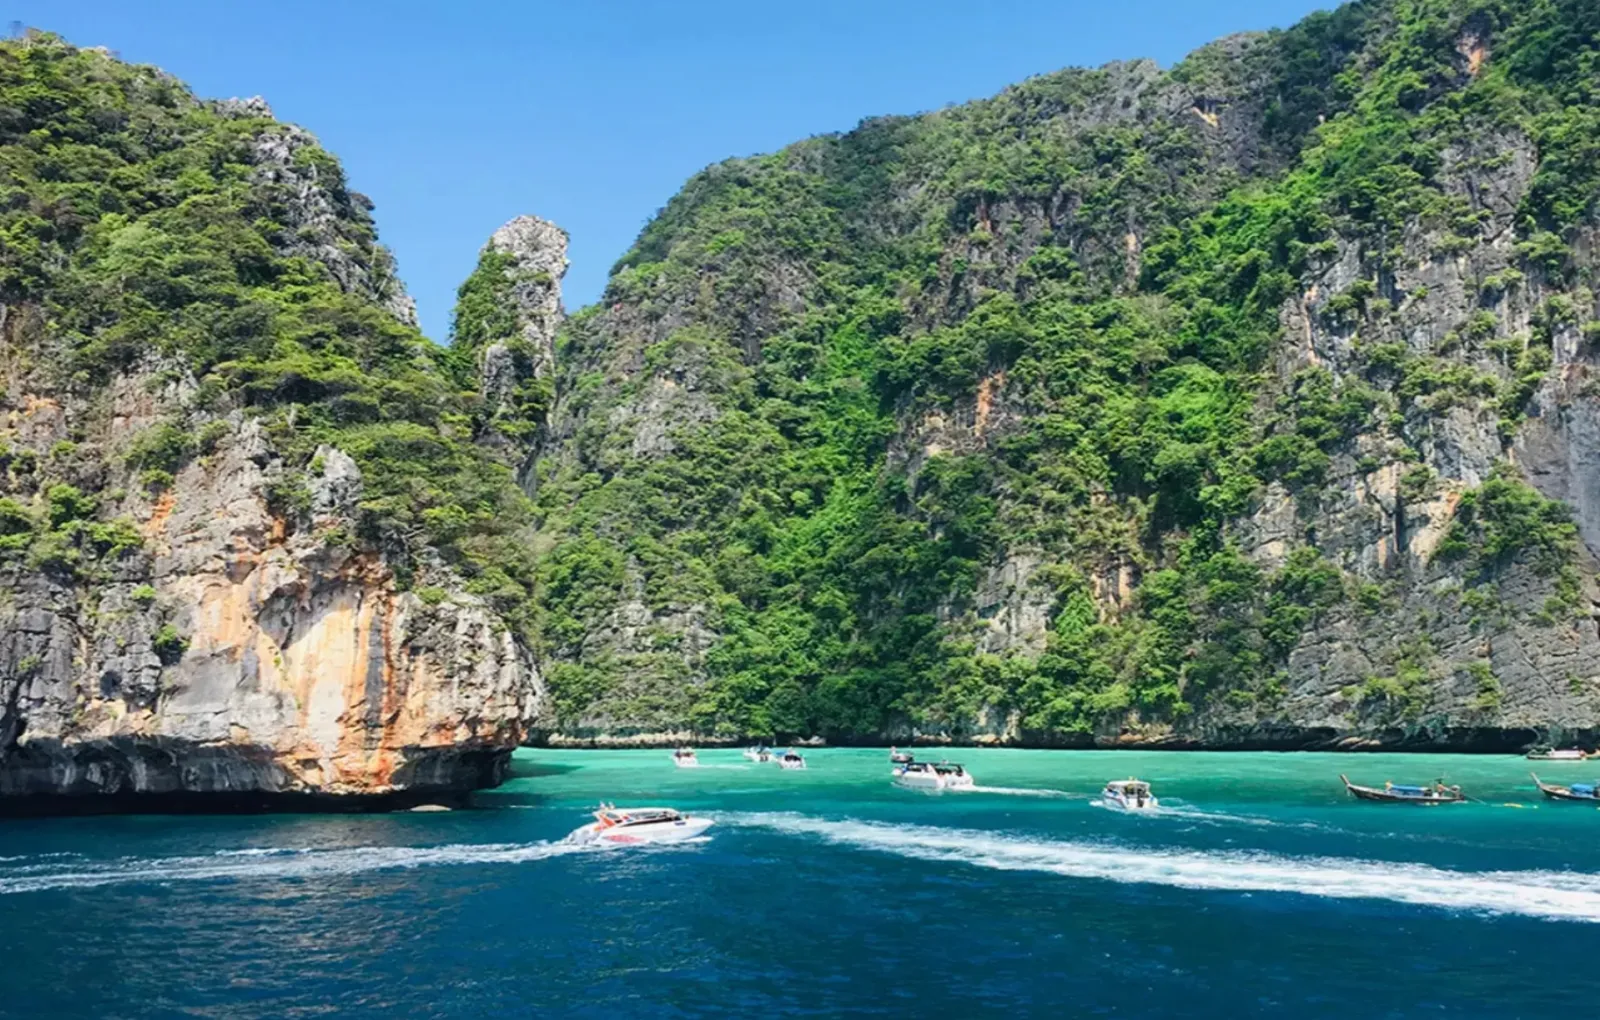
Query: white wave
{"points": [[269, 863], [1018, 791], [1571, 896], [1191, 814]]}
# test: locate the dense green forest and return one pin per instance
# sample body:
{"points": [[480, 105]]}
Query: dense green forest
{"points": [[1103, 256]]}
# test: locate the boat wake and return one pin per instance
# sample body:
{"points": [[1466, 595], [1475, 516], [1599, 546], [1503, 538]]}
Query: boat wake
{"points": [[1019, 791], [1567, 896], [1191, 814], [266, 863]]}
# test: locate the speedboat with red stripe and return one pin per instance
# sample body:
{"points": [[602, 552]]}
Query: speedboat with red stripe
{"points": [[614, 826]]}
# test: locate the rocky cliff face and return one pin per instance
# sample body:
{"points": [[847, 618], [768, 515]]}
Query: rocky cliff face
{"points": [[507, 316], [236, 562], [238, 652], [1241, 404]]}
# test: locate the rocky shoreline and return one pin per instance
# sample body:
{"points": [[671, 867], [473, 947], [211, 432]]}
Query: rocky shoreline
{"points": [[175, 777], [1454, 740], [244, 802]]}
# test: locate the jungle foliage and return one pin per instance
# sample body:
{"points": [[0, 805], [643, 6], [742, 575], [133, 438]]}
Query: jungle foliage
{"points": [[1037, 326], [141, 227]]}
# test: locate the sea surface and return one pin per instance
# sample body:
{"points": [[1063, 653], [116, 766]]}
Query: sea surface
{"points": [[1259, 889]]}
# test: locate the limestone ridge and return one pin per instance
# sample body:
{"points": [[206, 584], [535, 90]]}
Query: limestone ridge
{"points": [[1248, 403], [324, 219], [535, 260], [504, 331], [537, 250]]}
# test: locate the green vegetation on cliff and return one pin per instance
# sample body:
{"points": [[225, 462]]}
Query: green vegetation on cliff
{"points": [[835, 394], [207, 245]]}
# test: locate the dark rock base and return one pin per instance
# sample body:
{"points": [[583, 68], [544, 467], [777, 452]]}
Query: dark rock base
{"points": [[1450, 740], [166, 776]]}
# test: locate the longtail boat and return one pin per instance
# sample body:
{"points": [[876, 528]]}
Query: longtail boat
{"points": [[1577, 791], [1389, 793]]}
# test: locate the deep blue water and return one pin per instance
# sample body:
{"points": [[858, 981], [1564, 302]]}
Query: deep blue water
{"points": [[1259, 890]]}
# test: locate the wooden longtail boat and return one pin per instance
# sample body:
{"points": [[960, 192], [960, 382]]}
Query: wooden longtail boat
{"points": [[1577, 791], [1389, 793]]}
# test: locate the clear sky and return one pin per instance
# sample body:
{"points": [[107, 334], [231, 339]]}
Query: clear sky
{"points": [[455, 117]]}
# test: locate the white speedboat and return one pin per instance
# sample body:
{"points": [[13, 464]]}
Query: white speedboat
{"points": [[1128, 795], [1555, 754], [684, 758], [761, 754], [899, 757], [925, 775], [614, 826], [791, 760]]}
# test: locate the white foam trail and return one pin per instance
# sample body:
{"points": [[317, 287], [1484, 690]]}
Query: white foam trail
{"points": [[1190, 814], [1017, 791], [270, 863], [1569, 896]]}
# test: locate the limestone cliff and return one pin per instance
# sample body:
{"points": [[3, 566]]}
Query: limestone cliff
{"points": [[506, 319], [1244, 403], [246, 550], [240, 651]]}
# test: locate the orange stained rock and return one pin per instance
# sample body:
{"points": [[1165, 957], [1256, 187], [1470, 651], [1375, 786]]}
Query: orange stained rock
{"points": [[986, 392], [159, 514]]}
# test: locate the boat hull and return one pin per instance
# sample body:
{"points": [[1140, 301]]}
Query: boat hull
{"points": [[1566, 793], [1372, 793], [913, 781], [637, 835], [1555, 793], [1132, 807]]}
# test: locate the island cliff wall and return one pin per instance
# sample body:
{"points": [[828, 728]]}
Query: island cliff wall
{"points": [[234, 572]]}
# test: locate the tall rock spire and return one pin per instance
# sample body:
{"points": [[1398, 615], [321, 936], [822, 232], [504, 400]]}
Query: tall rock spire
{"points": [[533, 261]]}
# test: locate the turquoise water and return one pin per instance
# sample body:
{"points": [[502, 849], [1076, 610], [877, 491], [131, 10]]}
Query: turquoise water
{"points": [[1260, 889]]}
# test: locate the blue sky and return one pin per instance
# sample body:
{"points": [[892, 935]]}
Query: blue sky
{"points": [[456, 117]]}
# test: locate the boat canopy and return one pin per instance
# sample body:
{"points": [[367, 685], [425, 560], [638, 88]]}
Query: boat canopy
{"points": [[639, 816], [1408, 791], [1583, 789]]}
